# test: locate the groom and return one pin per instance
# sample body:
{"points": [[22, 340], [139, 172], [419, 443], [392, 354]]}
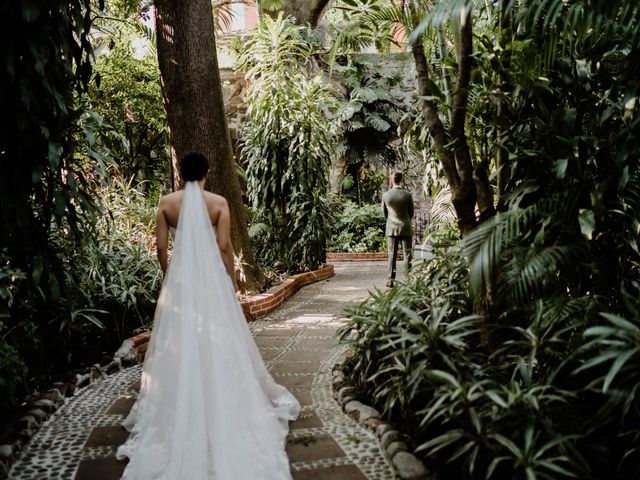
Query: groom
{"points": [[397, 205]]}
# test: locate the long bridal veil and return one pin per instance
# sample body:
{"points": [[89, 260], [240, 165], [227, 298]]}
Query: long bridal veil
{"points": [[207, 407]]}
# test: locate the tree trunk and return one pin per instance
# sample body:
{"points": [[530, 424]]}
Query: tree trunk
{"points": [[442, 45], [463, 194], [466, 193], [195, 109], [484, 192]]}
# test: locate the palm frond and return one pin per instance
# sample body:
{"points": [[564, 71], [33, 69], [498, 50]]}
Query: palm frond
{"points": [[438, 15], [270, 5], [442, 211], [562, 26]]}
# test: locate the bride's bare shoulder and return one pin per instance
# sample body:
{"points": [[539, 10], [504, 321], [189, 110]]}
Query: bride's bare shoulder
{"points": [[216, 204], [214, 200], [172, 198]]}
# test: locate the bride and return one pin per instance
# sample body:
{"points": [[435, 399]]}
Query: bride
{"points": [[207, 408]]}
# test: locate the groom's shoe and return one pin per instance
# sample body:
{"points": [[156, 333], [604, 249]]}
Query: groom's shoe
{"points": [[390, 284]]}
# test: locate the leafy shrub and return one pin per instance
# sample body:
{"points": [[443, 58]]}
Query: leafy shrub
{"points": [[12, 366], [122, 270], [358, 228], [375, 100], [367, 185], [554, 399], [287, 145], [111, 282], [127, 97]]}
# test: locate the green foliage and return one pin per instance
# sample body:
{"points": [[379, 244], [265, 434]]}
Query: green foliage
{"points": [[369, 115], [367, 187], [358, 228], [115, 279], [126, 95], [529, 407], [287, 145], [401, 334], [46, 181], [123, 276], [354, 32], [543, 382]]}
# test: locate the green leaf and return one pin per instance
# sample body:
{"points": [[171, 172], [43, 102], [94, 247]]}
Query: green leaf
{"points": [[512, 447], [617, 365], [560, 167], [587, 222]]}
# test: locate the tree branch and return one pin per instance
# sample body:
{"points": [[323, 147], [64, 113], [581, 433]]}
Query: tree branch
{"points": [[465, 194], [430, 112]]}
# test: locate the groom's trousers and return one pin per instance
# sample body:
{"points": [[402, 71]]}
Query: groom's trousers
{"points": [[393, 244]]}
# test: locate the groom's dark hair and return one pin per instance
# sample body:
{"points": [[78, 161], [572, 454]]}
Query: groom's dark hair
{"points": [[193, 166]]}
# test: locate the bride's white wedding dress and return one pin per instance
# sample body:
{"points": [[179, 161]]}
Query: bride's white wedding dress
{"points": [[207, 407]]}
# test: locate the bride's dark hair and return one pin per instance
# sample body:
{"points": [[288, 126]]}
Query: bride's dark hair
{"points": [[193, 166]]}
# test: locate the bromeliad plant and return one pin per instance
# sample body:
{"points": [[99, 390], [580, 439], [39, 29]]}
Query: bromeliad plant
{"points": [[287, 145]]}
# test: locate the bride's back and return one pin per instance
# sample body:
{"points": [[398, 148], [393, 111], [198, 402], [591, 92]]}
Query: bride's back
{"points": [[171, 204]]}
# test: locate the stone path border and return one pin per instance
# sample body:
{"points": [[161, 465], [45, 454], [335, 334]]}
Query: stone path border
{"points": [[406, 465], [298, 345]]}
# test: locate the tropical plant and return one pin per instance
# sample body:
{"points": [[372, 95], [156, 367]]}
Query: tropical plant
{"points": [[358, 228], [287, 144], [126, 95], [369, 115], [543, 385], [46, 182]]}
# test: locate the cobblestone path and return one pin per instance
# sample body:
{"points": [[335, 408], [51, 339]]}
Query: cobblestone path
{"points": [[299, 347]]}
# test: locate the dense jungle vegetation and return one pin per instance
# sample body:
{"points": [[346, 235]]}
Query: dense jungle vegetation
{"points": [[513, 351]]}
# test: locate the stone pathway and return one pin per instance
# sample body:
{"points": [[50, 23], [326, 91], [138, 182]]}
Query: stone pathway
{"points": [[299, 347]]}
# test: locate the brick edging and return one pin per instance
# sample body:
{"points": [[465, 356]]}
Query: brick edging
{"points": [[262, 305], [134, 348], [359, 257]]}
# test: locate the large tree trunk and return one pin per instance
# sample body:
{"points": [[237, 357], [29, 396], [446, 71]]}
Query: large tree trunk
{"points": [[195, 108]]}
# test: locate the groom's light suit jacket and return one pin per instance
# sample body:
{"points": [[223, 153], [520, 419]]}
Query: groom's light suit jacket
{"points": [[397, 204]]}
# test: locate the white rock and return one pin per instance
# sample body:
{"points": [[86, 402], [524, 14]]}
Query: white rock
{"points": [[82, 380], [353, 409], [409, 467], [388, 437], [127, 353], [38, 414], [345, 400], [6, 451], [382, 429], [394, 448], [45, 404]]}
